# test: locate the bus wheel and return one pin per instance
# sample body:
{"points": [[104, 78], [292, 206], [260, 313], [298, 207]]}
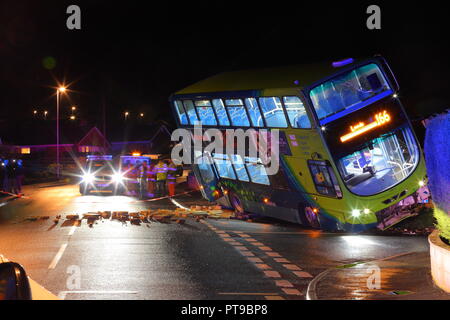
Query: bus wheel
{"points": [[236, 203], [309, 218]]}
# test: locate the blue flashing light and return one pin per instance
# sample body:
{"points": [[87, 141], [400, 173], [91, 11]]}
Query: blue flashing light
{"points": [[341, 63]]}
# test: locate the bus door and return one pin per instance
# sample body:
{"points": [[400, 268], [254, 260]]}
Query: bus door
{"points": [[207, 176]]}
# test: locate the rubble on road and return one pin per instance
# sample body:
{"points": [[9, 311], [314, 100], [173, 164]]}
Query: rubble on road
{"points": [[72, 217], [178, 215]]}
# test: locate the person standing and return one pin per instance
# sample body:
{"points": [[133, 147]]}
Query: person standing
{"points": [[151, 179], [11, 176], [143, 180], [161, 177], [19, 173], [2, 174], [127, 168], [171, 178]]}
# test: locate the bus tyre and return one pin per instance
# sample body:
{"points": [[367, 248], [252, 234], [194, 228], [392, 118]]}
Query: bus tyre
{"points": [[310, 218], [236, 203]]}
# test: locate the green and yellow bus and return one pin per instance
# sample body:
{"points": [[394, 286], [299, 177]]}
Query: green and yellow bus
{"points": [[349, 158]]}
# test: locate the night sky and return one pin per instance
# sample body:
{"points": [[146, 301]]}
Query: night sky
{"points": [[132, 55]]}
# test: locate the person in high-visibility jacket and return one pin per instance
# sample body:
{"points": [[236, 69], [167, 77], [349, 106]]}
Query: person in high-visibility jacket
{"points": [[171, 179], [161, 177]]}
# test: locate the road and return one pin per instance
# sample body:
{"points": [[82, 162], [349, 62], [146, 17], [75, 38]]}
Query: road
{"points": [[212, 259]]}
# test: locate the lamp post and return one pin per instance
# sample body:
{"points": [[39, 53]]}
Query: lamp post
{"points": [[60, 90]]}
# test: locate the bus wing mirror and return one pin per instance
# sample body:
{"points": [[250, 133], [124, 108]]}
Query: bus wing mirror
{"points": [[14, 284]]}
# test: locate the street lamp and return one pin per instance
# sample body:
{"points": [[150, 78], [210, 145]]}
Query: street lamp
{"points": [[45, 114], [60, 90], [126, 115]]}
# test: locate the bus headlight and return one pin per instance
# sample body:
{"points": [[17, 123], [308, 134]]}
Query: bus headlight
{"points": [[356, 213], [366, 211], [421, 183], [88, 178]]}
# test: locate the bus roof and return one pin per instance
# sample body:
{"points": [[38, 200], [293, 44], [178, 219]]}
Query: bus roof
{"points": [[297, 76]]}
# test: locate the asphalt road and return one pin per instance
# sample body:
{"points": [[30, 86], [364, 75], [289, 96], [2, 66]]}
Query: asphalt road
{"points": [[215, 259]]}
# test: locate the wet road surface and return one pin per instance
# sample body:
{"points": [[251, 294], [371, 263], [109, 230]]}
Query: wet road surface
{"points": [[212, 259]]}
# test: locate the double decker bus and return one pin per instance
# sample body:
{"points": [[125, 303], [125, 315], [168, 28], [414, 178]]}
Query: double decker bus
{"points": [[349, 159]]}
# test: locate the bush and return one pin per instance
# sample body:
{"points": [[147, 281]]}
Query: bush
{"points": [[437, 155], [443, 223]]}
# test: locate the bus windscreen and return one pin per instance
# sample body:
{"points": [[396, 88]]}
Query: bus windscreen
{"points": [[374, 148], [348, 89]]}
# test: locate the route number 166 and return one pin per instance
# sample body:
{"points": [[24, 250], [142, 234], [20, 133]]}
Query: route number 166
{"points": [[382, 117]]}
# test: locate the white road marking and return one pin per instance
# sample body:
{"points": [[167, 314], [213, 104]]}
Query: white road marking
{"points": [[62, 295], [72, 230], [175, 202], [58, 256]]}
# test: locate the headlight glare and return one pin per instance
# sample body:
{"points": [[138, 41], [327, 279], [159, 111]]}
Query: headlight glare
{"points": [[88, 178], [117, 177]]}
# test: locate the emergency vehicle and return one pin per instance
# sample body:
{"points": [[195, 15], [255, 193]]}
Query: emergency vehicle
{"points": [[101, 175]]}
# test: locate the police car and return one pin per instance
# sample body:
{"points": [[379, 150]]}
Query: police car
{"points": [[100, 175]]}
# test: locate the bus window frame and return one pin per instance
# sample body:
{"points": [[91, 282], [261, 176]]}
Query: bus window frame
{"points": [[260, 112], [174, 103], [226, 111], [213, 157], [242, 105], [195, 109], [307, 90], [246, 170], [282, 107], [212, 107], [311, 115], [312, 124]]}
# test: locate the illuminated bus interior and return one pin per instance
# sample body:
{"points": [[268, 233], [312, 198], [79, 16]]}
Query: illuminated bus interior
{"points": [[381, 163], [247, 112], [348, 90]]}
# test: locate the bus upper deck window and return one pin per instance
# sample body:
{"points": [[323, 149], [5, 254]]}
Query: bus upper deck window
{"points": [[254, 112], [190, 110], [181, 113], [206, 112], [221, 112], [348, 89], [237, 113], [296, 112], [273, 112]]}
